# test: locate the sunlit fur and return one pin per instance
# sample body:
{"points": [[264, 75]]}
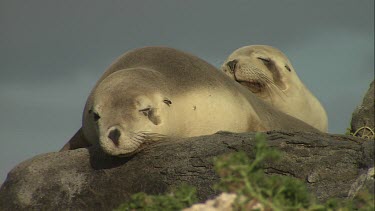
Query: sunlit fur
{"points": [[267, 72], [119, 104], [153, 93]]}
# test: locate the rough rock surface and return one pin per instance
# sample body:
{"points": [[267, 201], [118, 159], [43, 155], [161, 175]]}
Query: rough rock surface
{"points": [[85, 179], [364, 115]]}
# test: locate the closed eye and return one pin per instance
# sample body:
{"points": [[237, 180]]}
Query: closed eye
{"points": [[264, 60], [145, 111]]}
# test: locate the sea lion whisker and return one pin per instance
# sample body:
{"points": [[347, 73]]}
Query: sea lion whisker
{"points": [[268, 91], [146, 135], [137, 140], [142, 132], [279, 92], [138, 135]]}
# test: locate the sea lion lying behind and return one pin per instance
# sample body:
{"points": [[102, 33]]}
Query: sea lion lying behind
{"points": [[268, 73]]}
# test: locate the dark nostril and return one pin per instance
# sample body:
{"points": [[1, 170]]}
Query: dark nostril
{"points": [[96, 117], [232, 64], [114, 135]]}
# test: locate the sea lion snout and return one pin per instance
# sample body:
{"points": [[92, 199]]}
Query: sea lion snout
{"points": [[232, 64], [114, 135]]}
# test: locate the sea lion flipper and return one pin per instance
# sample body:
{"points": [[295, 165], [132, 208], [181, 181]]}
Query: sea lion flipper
{"points": [[77, 141]]}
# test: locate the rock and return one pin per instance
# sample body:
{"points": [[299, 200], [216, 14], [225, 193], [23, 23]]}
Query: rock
{"points": [[362, 123], [86, 179], [363, 182]]}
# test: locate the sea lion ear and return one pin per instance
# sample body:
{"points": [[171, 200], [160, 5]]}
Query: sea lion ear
{"points": [[167, 101], [288, 68]]}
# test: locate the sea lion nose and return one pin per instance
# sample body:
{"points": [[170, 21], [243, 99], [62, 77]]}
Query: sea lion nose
{"points": [[232, 64], [114, 135]]}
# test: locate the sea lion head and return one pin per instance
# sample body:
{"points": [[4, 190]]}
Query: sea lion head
{"points": [[126, 113], [261, 69]]}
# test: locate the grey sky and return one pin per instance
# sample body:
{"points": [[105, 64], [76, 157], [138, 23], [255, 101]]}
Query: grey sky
{"points": [[52, 52]]}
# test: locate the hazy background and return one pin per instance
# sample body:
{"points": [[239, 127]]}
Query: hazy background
{"points": [[52, 52]]}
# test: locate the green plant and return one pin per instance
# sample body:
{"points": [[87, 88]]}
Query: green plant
{"points": [[364, 201], [363, 132], [239, 174], [245, 177], [178, 198]]}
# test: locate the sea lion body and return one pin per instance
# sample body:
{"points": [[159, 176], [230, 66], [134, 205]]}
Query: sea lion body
{"points": [[157, 92], [268, 73]]}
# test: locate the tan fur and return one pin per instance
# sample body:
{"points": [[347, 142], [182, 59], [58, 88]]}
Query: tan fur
{"points": [[267, 72], [185, 95]]}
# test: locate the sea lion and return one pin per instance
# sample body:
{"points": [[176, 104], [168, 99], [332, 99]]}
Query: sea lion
{"points": [[157, 92], [267, 72]]}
